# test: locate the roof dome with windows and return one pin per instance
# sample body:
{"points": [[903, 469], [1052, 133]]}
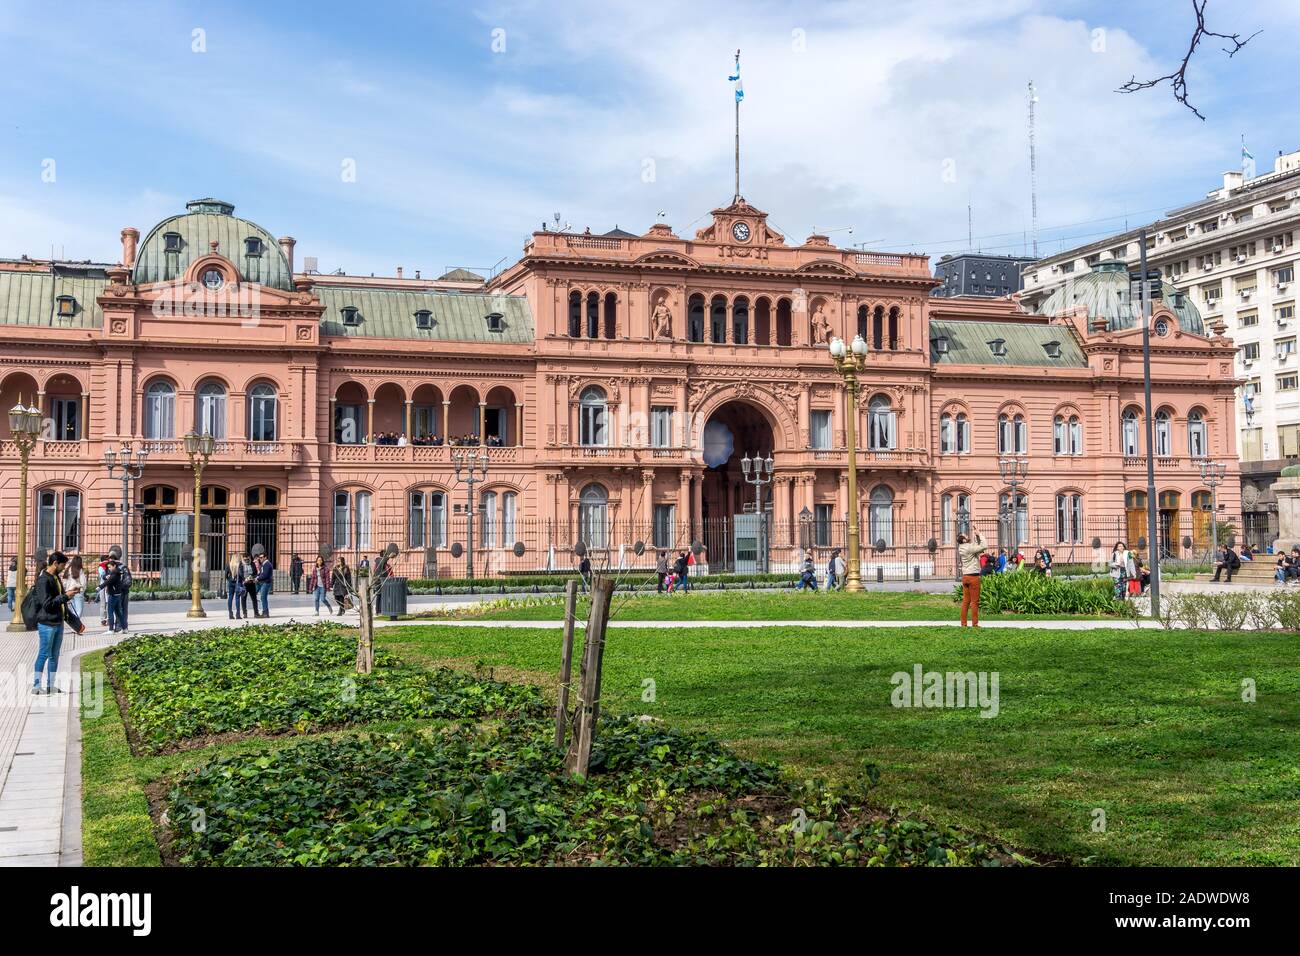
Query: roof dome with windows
{"points": [[174, 243], [1106, 293]]}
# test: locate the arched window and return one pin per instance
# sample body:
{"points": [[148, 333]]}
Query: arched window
{"points": [[1006, 435], [878, 328], [352, 520], [1069, 518], [593, 315], [718, 320], [427, 519], [862, 322], [509, 507], [160, 410], [954, 515], [881, 518], [1129, 443], [1060, 439], [611, 315], [1076, 435], [963, 434], [893, 328], [1196, 435], [881, 421], [261, 413], [58, 520], [1013, 523], [593, 510], [417, 519], [211, 410], [488, 509], [1164, 434], [740, 321], [1021, 428], [575, 315], [593, 417], [947, 434], [695, 319]]}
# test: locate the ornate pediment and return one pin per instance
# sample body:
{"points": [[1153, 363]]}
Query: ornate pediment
{"points": [[740, 225], [666, 257], [827, 267]]}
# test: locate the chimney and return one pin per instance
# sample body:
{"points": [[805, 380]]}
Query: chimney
{"points": [[286, 246], [1231, 180], [399, 272], [130, 238]]}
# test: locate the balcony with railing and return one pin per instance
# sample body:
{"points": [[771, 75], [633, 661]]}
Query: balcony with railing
{"points": [[416, 454], [226, 452], [866, 457]]}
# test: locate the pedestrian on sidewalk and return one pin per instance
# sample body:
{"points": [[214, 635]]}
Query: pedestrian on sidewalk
{"points": [[74, 579], [51, 606], [584, 573], [808, 573], [841, 570], [661, 570], [295, 573], [250, 585], [319, 582], [235, 597], [341, 581], [830, 570], [265, 577], [970, 552], [11, 583], [681, 568], [101, 593], [117, 584], [1119, 569]]}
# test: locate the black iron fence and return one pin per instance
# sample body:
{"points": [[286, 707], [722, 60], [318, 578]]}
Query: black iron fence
{"points": [[892, 550]]}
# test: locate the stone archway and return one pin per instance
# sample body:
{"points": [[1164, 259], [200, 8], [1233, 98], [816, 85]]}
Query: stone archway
{"points": [[732, 430]]}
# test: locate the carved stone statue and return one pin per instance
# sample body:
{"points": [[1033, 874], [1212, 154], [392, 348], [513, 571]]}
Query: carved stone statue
{"points": [[821, 327], [661, 322]]}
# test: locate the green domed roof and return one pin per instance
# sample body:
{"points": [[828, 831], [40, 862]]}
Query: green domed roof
{"points": [[204, 221], [1105, 292]]}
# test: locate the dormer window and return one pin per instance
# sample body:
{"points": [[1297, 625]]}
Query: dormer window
{"points": [[424, 319], [998, 346], [496, 322], [940, 344], [253, 246], [171, 242], [1053, 349], [351, 315], [67, 306]]}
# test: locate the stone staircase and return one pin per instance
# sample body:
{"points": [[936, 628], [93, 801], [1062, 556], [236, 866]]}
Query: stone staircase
{"points": [[1259, 571]]}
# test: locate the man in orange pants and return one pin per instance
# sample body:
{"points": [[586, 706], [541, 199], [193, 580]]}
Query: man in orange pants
{"points": [[969, 552]]}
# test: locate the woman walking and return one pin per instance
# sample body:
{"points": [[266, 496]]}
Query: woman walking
{"points": [[235, 588], [319, 582], [341, 580], [1119, 561], [74, 580]]}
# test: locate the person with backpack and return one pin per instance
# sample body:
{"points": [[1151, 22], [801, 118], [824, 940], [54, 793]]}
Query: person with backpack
{"points": [[46, 609], [661, 570], [265, 577], [808, 574], [117, 585]]}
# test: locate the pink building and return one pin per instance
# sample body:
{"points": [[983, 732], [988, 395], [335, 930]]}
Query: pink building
{"points": [[615, 382]]}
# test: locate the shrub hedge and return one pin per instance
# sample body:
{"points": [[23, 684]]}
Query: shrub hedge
{"points": [[1023, 592]]}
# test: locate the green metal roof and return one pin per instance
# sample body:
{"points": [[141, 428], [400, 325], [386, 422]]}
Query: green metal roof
{"points": [[457, 316], [1025, 343], [205, 220], [31, 298], [1105, 292]]}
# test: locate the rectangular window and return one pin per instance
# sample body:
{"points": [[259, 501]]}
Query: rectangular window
{"points": [[1284, 275], [1248, 320], [1250, 444], [1284, 349], [1287, 383], [665, 523], [342, 509], [822, 525], [347, 425], [661, 427], [1250, 351], [416, 520], [426, 421], [821, 429], [46, 516], [1284, 313], [1213, 293], [67, 419]]}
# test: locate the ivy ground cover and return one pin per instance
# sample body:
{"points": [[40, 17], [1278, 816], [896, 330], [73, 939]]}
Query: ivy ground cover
{"points": [[184, 689]]}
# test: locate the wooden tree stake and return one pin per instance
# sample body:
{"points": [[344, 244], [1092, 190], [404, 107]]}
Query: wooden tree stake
{"points": [[566, 662], [578, 758], [366, 639]]}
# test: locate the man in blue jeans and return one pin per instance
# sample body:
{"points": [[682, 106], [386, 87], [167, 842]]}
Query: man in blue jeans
{"points": [[51, 608], [264, 572], [117, 585]]}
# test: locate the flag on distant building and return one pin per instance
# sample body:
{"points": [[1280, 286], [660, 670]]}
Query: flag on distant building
{"points": [[740, 89], [1247, 160]]}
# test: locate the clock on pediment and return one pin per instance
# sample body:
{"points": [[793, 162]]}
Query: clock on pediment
{"points": [[740, 223], [740, 230]]}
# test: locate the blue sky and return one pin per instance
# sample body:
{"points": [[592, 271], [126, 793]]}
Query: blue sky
{"points": [[887, 118]]}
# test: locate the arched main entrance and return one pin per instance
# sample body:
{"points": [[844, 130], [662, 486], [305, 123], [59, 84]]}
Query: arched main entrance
{"points": [[734, 430]]}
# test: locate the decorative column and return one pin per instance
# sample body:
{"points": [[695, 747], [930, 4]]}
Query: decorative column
{"points": [[682, 426], [519, 424], [683, 515], [446, 422], [85, 416], [805, 418], [648, 500], [370, 420], [482, 423], [410, 420], [334, 403]]}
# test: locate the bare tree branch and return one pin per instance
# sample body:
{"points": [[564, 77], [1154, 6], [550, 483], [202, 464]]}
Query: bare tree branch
{"points": [[1178, 78]]}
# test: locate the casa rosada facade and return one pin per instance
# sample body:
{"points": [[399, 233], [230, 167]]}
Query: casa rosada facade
{"points": [[615, 380]]}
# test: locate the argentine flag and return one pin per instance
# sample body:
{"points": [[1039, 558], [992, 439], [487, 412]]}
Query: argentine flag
{"points": [[1247, 160], [740, 89]]}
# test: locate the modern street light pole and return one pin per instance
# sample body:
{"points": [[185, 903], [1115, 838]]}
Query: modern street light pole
{"points": [[963, 517], [199, 449], [759, 466], [25, 427], [1153, 548], [849, 362], [466, 463], [1213, 473], [123, 459]]}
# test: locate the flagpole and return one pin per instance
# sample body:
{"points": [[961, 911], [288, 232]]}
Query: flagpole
{"points": [[737, 197]]}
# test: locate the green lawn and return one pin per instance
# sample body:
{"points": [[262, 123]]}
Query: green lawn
{"points": [[1148, 726], [736, 605]]}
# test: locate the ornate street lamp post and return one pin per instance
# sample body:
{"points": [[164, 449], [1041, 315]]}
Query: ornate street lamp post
{"points": [[1213, 473], [1014, 471], [199, 449], [758, 472], [466, 463], [850, 361], [25, 427], [122, 459]]}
